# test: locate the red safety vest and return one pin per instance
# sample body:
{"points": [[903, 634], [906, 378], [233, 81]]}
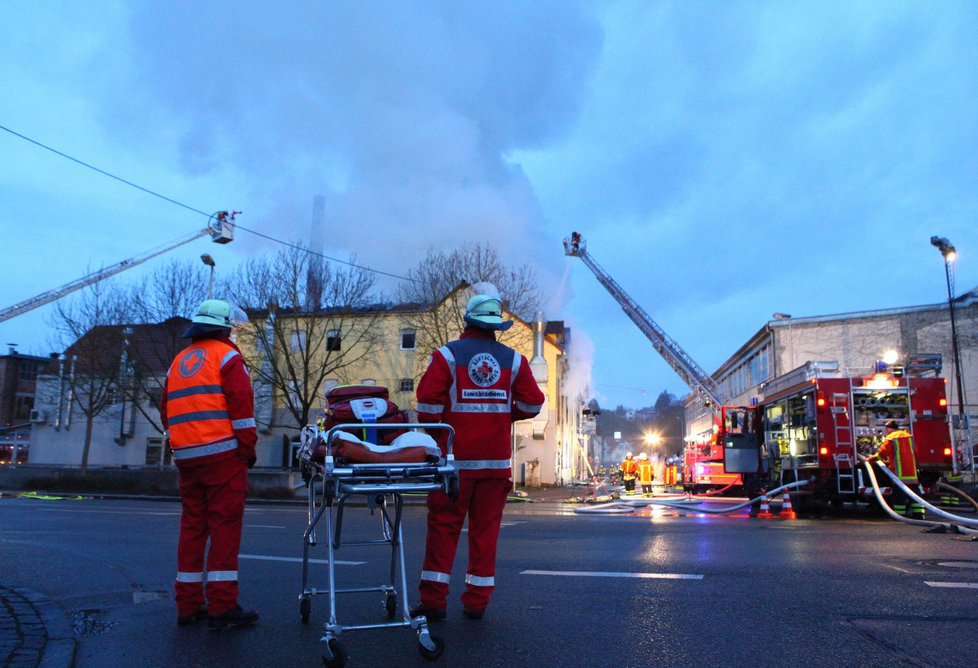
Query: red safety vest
{"points": [[197, 409], [898, 451]]}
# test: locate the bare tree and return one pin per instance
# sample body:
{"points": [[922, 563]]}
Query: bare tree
{"points": [[89, 325], [158, 309], [441, 283], [309, 322]]}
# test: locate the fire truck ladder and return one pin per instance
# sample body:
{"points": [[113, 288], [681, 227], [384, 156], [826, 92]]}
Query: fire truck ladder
{"points": [[221, 230], [845, 470], [671, 352]]}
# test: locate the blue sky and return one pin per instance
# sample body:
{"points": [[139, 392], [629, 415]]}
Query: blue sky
{"points": [[724, 160]]}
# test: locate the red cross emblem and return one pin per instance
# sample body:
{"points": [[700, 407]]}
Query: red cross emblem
{"points": [[191, 363]]}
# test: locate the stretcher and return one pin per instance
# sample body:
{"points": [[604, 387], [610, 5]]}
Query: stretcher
{"points": [[331, 481]]}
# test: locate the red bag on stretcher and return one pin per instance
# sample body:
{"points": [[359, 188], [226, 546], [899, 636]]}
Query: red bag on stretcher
{"points": [[365, 404], [353, 404]]}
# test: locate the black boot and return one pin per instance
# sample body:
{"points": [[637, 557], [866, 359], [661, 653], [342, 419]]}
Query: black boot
{"points": [[232, 619]]}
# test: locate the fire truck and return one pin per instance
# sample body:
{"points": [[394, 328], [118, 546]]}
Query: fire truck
{"points": [[814, 422], [811, 424]]}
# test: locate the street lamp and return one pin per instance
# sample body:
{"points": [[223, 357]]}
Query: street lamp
{"points": [[950, 255], [209, 261]]}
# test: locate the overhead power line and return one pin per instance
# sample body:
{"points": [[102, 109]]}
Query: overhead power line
{"points": [[195, 210]]}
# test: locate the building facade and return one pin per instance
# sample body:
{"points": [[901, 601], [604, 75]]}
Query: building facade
{"points": [[394, 353]]}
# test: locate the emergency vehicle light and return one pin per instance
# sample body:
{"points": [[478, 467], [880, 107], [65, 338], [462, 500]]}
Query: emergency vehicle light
{"points": [[947, 452], [942, 402], [823, 451]]}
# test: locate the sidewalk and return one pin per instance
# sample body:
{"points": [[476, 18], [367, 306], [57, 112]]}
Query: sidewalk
{"points": [[34, 632]]}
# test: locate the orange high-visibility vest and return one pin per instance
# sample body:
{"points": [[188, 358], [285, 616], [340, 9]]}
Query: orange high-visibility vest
{"points": [[897, 448], [645, 472], [197, 409], [629, 468]]}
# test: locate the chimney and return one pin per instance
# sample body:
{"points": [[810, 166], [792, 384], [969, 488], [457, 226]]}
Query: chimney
{"points": [[314, 287]]}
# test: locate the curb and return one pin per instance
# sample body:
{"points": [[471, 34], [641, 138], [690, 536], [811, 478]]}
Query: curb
{"points": [[59, 646]]}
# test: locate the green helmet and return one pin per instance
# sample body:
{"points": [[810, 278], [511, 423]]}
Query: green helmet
{"points": [[485, 308], [220, 313]]}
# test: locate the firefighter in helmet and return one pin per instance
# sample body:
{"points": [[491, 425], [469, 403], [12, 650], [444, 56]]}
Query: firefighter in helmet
{"points": [[629, 469], [480, 387], [208, 409], [896, 451], [646, 473]]}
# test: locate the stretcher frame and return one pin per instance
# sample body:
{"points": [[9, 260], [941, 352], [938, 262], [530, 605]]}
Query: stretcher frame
{"points": [[329, 485]]}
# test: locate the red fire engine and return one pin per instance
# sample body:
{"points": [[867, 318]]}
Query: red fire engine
{"points": [[814, 422]]}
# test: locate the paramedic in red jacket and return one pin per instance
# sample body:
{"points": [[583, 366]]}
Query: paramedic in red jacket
{"points": [[208, 408], [480, 387]]}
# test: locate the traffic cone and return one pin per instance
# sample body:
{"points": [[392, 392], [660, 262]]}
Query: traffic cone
{"points": [[765, 512], [787, 512]]}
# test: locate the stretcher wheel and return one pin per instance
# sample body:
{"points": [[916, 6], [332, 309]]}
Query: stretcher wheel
{"points": [[390, 604], [305, 605], [432, 654], [339, 654]]}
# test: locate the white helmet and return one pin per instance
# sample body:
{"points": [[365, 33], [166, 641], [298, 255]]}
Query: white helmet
{"points": [[643, 456], [485, 308], [627, 455], [215, 315]]}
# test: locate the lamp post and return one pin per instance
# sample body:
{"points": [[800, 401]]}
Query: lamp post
{"points": [[209, 261], [948, 252]]}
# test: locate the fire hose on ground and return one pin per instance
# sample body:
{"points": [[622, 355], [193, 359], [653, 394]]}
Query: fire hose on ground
{"points": [[886, 507], [958, 492], [956, 520], [630, 505]]}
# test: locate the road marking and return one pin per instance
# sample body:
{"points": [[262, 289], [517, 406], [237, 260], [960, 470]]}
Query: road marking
{"points": [[133, 511], [611, 574], [502, 524], [263, 557], [897, 568], [264, 526], [953, 585]]}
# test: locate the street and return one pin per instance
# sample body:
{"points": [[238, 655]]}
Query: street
{"points": [[664, 588]]}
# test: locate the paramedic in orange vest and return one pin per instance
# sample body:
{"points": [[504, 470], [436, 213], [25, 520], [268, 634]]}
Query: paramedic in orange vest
{"points": [[208, 407], [897, 453], [480, 387], [646, 473], [629, 469]]}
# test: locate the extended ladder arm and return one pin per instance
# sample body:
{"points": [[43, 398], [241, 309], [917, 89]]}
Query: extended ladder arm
{"points": [[221, 231], [671, 352]]}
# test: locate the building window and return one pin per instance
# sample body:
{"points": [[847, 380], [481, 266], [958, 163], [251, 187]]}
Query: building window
{"points": [[22, 407], [298, 342], [407, 339], [28, 371], [333, 339], [406, 385], [156, 454]]}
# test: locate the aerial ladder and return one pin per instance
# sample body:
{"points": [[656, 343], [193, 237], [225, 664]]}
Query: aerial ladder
{"points": [[220, 228], [690, 372]]}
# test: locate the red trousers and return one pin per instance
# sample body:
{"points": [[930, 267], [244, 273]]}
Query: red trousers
{"points": [[213, 507], [483, 500]]}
